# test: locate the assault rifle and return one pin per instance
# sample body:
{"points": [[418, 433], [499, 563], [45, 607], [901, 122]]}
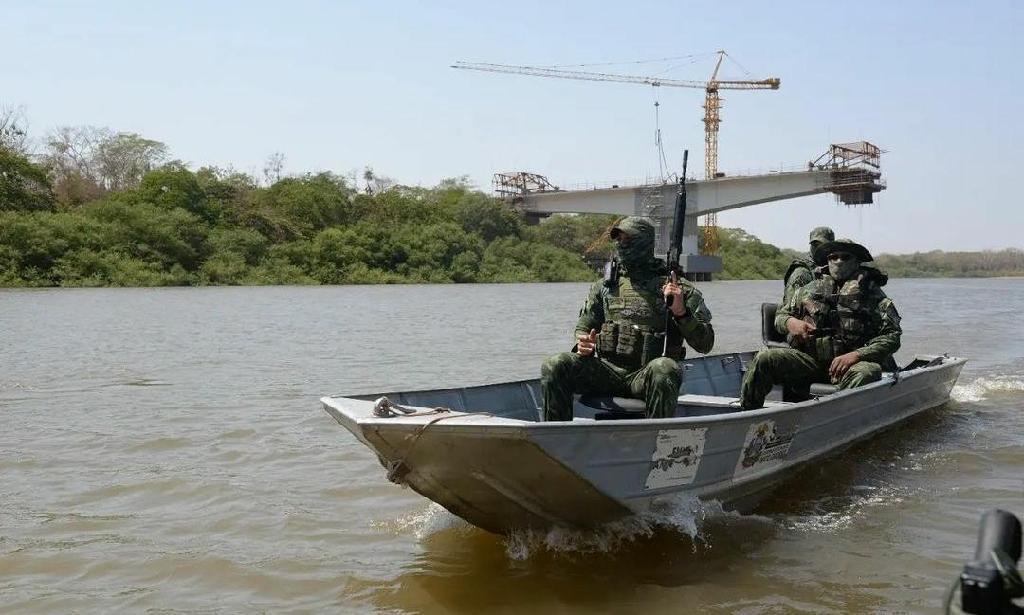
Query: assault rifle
{"points": [[675, 247]]}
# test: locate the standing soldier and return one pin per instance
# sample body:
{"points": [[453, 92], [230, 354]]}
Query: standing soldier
{"points": [[801, 270], [620, 333], [842, 327]]}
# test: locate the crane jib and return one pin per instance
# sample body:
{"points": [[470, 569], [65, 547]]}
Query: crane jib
{"points": [[537, 71], [712, 106]]}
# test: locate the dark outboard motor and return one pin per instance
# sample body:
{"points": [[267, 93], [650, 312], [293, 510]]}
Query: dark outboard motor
{"points": [[991, 580]]}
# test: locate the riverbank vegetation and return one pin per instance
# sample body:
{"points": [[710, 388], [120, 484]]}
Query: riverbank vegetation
{"points": [[99, 208], [93, 207]]}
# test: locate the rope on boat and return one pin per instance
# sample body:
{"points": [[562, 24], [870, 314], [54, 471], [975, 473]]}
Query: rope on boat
{"points": [[385, 408]]}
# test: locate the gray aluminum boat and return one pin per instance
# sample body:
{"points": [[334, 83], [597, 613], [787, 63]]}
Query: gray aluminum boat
{"points": [[483, 453]]}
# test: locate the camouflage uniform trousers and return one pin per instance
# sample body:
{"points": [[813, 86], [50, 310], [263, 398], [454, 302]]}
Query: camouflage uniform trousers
{"points": [[566, 373], [798, 371]]}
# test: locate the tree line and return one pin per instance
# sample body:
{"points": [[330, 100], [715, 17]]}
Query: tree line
{"points": [[96, 207], [745, 257], [85, 206]]}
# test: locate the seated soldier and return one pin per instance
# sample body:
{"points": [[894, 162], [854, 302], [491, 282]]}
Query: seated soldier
{"points": [[842, 329], [620, 334], [801, 270]]}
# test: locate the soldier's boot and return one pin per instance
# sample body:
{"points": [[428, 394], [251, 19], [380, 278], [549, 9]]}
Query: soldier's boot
{"points": [[661, 379], [557, 379], [863, 372]]}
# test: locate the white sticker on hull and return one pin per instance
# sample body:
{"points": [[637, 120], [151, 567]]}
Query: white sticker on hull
{"points": [[676, 457], [763, 446]]}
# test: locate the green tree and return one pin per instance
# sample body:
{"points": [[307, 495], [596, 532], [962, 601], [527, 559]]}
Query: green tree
{"points": [[152, 234], [23, 185], [32, 243], [746, 257], [300, 206], [175, 187], [583, 234], [122, 159], [488, 217]]}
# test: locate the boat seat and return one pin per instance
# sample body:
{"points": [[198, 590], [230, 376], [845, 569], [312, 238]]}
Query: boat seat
{"points": [[614, 404], [821, 389], [630, 405], [769, 334], [629, 408]]}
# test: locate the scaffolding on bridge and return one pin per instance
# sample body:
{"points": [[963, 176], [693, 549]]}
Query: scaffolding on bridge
{"points": [[855, 168], [514, 185]]}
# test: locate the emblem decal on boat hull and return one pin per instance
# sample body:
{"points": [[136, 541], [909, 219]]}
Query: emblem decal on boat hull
{"points": [[677, 455], [764, 445]]}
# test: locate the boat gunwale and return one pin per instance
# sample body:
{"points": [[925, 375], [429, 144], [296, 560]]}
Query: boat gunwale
{"points": [[661, 423]]}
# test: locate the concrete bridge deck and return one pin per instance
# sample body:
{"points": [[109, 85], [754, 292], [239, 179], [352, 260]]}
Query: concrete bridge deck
{"points": [[852, 185]]}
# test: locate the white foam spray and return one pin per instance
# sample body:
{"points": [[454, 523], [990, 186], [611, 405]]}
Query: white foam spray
{"points": [[683, 513], [431, 520], [980, 388], [848, 509]]}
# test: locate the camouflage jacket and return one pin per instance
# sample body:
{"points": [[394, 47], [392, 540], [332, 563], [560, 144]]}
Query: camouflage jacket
{"points": [[799, 273], [855, 316], [635, 308]]}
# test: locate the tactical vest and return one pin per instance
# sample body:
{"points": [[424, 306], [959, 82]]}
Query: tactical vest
{"points": [[633, 333], [800, 263], [843, 317]]}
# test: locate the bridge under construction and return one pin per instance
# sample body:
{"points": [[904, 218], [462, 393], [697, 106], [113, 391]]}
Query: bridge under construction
{"points": [[850, 171]]}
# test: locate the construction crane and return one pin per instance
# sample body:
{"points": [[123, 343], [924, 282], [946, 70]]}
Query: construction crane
{"points": [[712, 107]]}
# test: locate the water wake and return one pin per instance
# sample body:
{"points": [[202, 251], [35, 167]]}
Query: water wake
{"points": [[982, 387], [683, 514], [836, 514]]}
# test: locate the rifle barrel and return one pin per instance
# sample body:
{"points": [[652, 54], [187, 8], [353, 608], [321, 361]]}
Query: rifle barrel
{"points": [[676, 246]]}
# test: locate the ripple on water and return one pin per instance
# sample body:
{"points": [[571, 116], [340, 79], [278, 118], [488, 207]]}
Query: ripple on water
{"points": [[238, 434], [160, 444]]}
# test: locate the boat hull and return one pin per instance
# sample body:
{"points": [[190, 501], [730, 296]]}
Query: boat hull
{"points": [[489, 460]]}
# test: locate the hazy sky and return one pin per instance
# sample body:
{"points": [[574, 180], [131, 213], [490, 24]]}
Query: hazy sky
{"points": [[342, 85]]}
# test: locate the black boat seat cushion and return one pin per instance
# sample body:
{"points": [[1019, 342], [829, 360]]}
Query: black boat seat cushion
{"points": [[770, 337], [614, 404], [819, 389]]}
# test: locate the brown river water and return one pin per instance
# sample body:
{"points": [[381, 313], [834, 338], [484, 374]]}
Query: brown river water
{"points": [[164, 450]]}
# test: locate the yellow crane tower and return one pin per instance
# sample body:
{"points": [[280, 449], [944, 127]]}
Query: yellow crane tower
{"points": [[712, 107]]}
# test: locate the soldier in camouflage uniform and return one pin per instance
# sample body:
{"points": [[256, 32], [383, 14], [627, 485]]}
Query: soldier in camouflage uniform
{"points": [[801, 270], [620, 333], [841, 326]]}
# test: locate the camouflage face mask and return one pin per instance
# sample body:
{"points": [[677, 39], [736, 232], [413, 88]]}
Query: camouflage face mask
{"points": [[842, 270], [638, 251]]}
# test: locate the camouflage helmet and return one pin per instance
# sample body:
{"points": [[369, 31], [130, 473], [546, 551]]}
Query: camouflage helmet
{"points": [[635, 227], [858, 251], [822, 234]]}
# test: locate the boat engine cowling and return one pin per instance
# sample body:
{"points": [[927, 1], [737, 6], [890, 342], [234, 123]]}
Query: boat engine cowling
{"points": [[990, 580]]}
